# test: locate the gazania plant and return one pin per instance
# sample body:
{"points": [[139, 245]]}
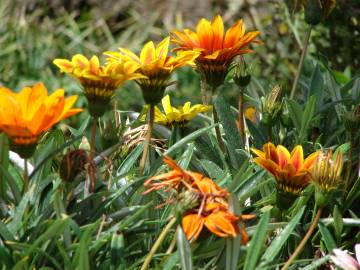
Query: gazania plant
{"points": [[206, 141]]}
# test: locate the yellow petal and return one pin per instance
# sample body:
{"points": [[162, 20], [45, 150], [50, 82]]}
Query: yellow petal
{"points": [[147, 54], [162, 50]]}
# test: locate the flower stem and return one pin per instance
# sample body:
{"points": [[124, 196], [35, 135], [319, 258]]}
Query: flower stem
{"points": [[92, 138], [241, 116], [303, 241], [92, 154], [26, 175], [203, 88], [301, 63], [218, 133], [147, 140], [349, 165], [157, 244]]}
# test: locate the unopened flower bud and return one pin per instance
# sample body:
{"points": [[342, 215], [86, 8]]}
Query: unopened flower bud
{"points": [[187, 200], [317, 10], [242, 76], [72, 164], [325, 175], [271, 106]]}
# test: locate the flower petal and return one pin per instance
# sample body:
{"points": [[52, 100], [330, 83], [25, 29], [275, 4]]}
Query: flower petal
{"points": [[297, 157], [192, 225]]}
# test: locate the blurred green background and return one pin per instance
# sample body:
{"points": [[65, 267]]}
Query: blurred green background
{"points": [[33, 33]]}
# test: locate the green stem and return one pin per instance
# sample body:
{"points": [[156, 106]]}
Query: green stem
{"points": [[218, 133], [157, 244], [147, 140], [350, 157], [26, 176], [301, 63], [304, 240], [203, 89], [241, 116], [92, 138]]}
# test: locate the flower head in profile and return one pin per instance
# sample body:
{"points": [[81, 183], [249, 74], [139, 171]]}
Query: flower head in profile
{"points": [[202, 202], [325, 175], [291, 171], [345, 261], [156, 66], [180, 115], [326, 171], [24, 116], [217, 48], [99, 82]]}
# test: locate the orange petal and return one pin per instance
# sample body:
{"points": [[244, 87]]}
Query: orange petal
{"points": [[268, 165], [218, 33], [233, 34], [283, 155], [310, 160], [205, 34], [258, 152], [192, 225], [270, 152], [221, 223], [297, 157]]}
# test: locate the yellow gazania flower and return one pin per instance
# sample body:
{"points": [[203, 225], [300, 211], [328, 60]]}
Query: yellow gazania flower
{"points": [[326, 172], [217, 48], [99, 82], [290, 170], [155, 64], [181, 114], [24, 116]]}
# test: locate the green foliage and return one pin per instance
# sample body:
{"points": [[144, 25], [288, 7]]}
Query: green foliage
{"points": [[66, 225]]}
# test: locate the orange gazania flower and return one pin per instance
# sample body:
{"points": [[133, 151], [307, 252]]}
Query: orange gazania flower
{"points": [[290, 170], [99, 81], [24, 116], [210, 208], [155, 65], [218, 48]]}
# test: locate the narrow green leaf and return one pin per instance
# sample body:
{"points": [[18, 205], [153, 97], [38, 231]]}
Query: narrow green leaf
{"points": [[81, 258], [317, 263], [184, 141], [296, 112], [130, 160], [327, 237], [184, 250], [4, 162], [338, 222], [276, 245], [117, 252], [233, 244], [257, 242], [307, 118]]}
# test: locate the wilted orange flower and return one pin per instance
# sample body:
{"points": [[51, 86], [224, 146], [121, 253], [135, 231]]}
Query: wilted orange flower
{"points": [[24, 116], [218, 48], [99, 82], [155, 64], [206, 205], [290, 170]]}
